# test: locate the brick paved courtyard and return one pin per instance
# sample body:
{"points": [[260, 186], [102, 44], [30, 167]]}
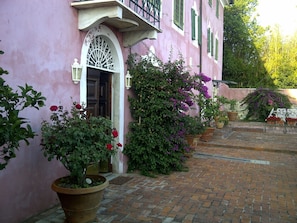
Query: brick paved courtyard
{"points": [[223, 184]]}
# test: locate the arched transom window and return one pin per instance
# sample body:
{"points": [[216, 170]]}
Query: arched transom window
{"points": [[100, 55]]}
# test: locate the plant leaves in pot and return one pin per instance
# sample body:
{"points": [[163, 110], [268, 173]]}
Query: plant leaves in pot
{"points": [[77, 141]]}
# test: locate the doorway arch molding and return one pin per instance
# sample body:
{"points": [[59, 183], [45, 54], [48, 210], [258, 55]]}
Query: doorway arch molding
{"points": [[115, 66]]}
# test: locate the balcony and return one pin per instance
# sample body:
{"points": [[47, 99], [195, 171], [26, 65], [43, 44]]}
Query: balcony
{"points": [[137, 19]]}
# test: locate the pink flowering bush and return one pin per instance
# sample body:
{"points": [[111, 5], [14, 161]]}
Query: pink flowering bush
{"points": [[260, 102], [77, 140]]}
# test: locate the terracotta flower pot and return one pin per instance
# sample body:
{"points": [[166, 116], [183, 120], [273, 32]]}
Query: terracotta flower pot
{"points": [[207, 134], [291, 123], [220, 125], [190, 139], [80, 205], [232, 116]]}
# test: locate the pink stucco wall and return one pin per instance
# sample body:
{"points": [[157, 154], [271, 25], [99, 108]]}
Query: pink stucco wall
{"points": [[40, 40]]}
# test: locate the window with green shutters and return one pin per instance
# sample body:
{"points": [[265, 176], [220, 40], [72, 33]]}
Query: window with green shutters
{"points": [[199, 30], [208, 40], [211, 44], [193, 20], [179, 13], [210, 3], [217, 8], [217, 49]]}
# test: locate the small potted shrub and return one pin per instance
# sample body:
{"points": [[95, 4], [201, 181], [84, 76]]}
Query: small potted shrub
{"points": [[78, 141], [291, 121], [222, 120], [232, 113], [194, 128], [274, 120]]}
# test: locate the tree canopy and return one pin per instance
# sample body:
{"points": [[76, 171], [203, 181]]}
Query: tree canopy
{"points": [[256, 56]]}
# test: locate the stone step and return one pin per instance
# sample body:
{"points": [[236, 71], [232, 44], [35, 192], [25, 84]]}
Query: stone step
{"points": [[261, 127]]}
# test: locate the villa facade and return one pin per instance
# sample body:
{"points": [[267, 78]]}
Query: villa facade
{"points": [[41, 39]]}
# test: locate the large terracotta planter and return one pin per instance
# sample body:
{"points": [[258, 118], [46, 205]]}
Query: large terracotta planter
{"points": [[207, 134], [80, 205]]}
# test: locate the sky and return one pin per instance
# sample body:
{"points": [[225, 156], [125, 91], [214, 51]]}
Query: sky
{"points": [[282, 12]]}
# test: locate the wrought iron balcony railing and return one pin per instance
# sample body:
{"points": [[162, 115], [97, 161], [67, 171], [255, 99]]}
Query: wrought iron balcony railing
{"points": [[147, 9]]}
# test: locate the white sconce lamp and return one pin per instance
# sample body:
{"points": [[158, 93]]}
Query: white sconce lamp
{"points": [[76, 71], [128, 80]]}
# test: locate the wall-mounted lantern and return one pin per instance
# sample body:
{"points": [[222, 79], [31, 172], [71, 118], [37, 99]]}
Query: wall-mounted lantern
{"points": [[128, 80], [76, 71]]}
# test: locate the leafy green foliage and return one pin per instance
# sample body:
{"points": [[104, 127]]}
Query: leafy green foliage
{"points": [[14, 128], [156, 140], [77, 141], [243, 43], [260, 102], [209, 109], [279, 55], [193, 125]]}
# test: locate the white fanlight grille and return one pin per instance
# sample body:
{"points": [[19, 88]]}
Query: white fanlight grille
{"points": [[100, 55]]}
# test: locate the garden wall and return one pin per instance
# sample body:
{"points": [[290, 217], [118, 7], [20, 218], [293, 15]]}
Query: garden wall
{"points": [[240, 93]]}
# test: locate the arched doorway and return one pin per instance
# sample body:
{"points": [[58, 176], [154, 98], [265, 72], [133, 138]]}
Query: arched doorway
{"points": [[103, 65]]}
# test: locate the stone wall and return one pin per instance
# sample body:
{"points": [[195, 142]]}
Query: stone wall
{"points": [[240, 93]]}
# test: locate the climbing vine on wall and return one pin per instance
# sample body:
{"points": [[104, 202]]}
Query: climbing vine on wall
{"points": [[162, 95]]}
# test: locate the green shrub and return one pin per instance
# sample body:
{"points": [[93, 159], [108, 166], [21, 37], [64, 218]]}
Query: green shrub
{"points": [[193, 125], [14, 128], [260, 102]]}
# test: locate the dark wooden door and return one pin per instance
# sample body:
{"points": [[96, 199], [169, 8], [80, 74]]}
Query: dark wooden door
{"points": [[99, 102], [98, 93]]}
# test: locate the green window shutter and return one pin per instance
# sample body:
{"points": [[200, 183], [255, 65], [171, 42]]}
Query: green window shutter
{"points": [[199, 30], [217, 8], [193, 20], [210, 3], [178, 17], [217, 49], [208, 40], [211, 43]]}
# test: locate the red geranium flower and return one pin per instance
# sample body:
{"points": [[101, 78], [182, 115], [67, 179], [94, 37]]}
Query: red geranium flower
{"points": [[119, 145], [78, 106], [115, 133], [109, 146], [54, 108]]}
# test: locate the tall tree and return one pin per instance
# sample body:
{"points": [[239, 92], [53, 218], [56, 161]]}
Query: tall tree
{"points": [[243, 42], [280, 58]]}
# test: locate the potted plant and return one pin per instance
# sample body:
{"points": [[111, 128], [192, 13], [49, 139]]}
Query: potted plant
{"points": [[274, 120], [232, 113], [194, 128], [222, 120], [78, 141], [291, 121], [209, 110], [15, 128]]}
